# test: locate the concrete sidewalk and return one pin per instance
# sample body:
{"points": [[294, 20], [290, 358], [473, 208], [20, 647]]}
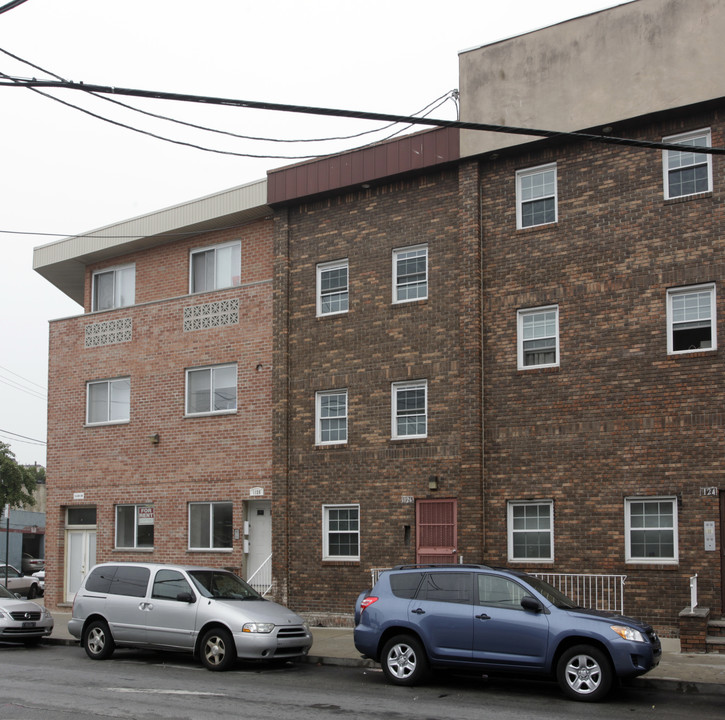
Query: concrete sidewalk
{"points": [[682, 672]]}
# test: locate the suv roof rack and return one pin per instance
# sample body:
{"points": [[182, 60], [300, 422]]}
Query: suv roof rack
{"points": [[450, 566]]}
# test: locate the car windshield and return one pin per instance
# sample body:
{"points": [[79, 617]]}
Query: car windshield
{"points": [[554, 596], [222, 585]]}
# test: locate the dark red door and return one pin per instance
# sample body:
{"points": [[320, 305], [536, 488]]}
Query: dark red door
{"points": [[722, 552], [436, 531]]}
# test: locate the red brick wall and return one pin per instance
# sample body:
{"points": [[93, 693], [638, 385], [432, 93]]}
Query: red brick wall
{"points": [[365, 350], [618, 418], [214, 458]]}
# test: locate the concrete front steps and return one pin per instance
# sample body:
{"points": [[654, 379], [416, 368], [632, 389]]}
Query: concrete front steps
{"points": [[715, 639]]}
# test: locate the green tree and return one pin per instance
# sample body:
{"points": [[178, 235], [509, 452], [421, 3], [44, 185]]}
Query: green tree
{"points": [[17, 483]]}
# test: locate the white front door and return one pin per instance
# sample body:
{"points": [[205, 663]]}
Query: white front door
{"points": [[259, 516], [79, 559]]}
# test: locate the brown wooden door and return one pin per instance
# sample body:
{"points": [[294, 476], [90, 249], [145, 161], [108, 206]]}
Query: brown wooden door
{"points": [[436, 531]]}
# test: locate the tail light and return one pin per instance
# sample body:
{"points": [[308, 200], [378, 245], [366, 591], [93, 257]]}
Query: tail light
{"points": [[367, 602]]}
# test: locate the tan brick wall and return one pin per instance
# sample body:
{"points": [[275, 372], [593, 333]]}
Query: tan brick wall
{"points": [[213, 458]]}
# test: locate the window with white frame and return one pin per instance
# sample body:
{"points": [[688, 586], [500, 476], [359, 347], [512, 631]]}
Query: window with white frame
{"points": [[687, 172], [651, 529], [410, 274], [341, 532], [108, 401], [332, 288], [211, 390], [410, 409], [531, 531], [331, 414], [536, 196], [217, 267], [114, 288], [210, 526], [691, 323], [134, 526], [538, 337]]}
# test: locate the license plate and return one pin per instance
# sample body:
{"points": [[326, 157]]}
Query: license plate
{"points": [[28, 624]]}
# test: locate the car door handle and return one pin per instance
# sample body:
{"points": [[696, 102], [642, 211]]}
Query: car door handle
{"points": [[483, 616], [418, 611]]}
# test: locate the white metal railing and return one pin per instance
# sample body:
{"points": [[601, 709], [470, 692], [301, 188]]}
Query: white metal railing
{"points": [[261, 578], [601, 592]]}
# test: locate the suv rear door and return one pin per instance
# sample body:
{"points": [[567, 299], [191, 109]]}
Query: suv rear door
{"points": [[443, 613], [504, 634]]}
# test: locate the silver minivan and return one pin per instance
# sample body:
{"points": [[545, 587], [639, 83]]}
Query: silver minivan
{"points": [[209, 612]]}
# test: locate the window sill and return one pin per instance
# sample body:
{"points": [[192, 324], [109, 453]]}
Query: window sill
{"points": [[331, 562], [412, 438], [540, 369], [665, 565], [330, 446], [220, 413], [691, 354], [408, 303], [132, 550], [210, 550], [107, 424], [687, 198], [537, 228]]}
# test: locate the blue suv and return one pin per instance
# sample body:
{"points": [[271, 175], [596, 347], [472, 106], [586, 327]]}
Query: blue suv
{"points": [[420, 617]]}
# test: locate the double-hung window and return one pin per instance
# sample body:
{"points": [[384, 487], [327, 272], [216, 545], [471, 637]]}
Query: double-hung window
{"points": [[410, 409], [114, 288], [691, 323], [531, 531], [651, 529], [134, 526], [538, 337], [341, 532], [331, 414], [332, 288], [217, 267], [410, 274], [211, 390], [210, 526], [687, 172], [536, 196], [108, 401]]}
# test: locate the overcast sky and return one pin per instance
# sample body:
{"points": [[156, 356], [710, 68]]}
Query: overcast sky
{"points": [[64, 172]]}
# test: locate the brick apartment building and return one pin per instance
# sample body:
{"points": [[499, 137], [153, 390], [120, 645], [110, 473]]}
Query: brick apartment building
{"points": [[160, 393], [481, 347]]}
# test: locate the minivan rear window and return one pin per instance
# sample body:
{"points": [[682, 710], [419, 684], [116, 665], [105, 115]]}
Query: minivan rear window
{"points": [[131, 581], [405, 584], [100, 579]]}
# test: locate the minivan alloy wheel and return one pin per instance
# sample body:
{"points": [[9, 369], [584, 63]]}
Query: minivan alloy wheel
{"points": [[217, 649]]}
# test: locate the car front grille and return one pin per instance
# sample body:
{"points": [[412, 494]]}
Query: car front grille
{"points": [[287, 632], [25, 616]]}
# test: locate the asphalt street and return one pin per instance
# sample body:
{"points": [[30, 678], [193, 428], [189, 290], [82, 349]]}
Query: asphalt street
{"points": [[60, 682]]}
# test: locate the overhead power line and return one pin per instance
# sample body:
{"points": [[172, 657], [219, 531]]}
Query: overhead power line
{"points": [[451, 94], [358, 114], [25, 438], [11, 5]]}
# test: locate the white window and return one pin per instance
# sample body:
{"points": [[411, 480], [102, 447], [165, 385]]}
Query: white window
{"points": [[410, 409], [214, 268], [134, 526], [538, 337], [687, 172], [210, 526], [114, 287], [332, 288], [341, 532], [536, 199], [651, 529], [531, 531], [331, 413], [108, 401], [410, 274], [691, 323], [211, 390]]}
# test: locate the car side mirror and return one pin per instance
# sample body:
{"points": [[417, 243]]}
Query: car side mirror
{"points": [[530, 603], [186, 597]]}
